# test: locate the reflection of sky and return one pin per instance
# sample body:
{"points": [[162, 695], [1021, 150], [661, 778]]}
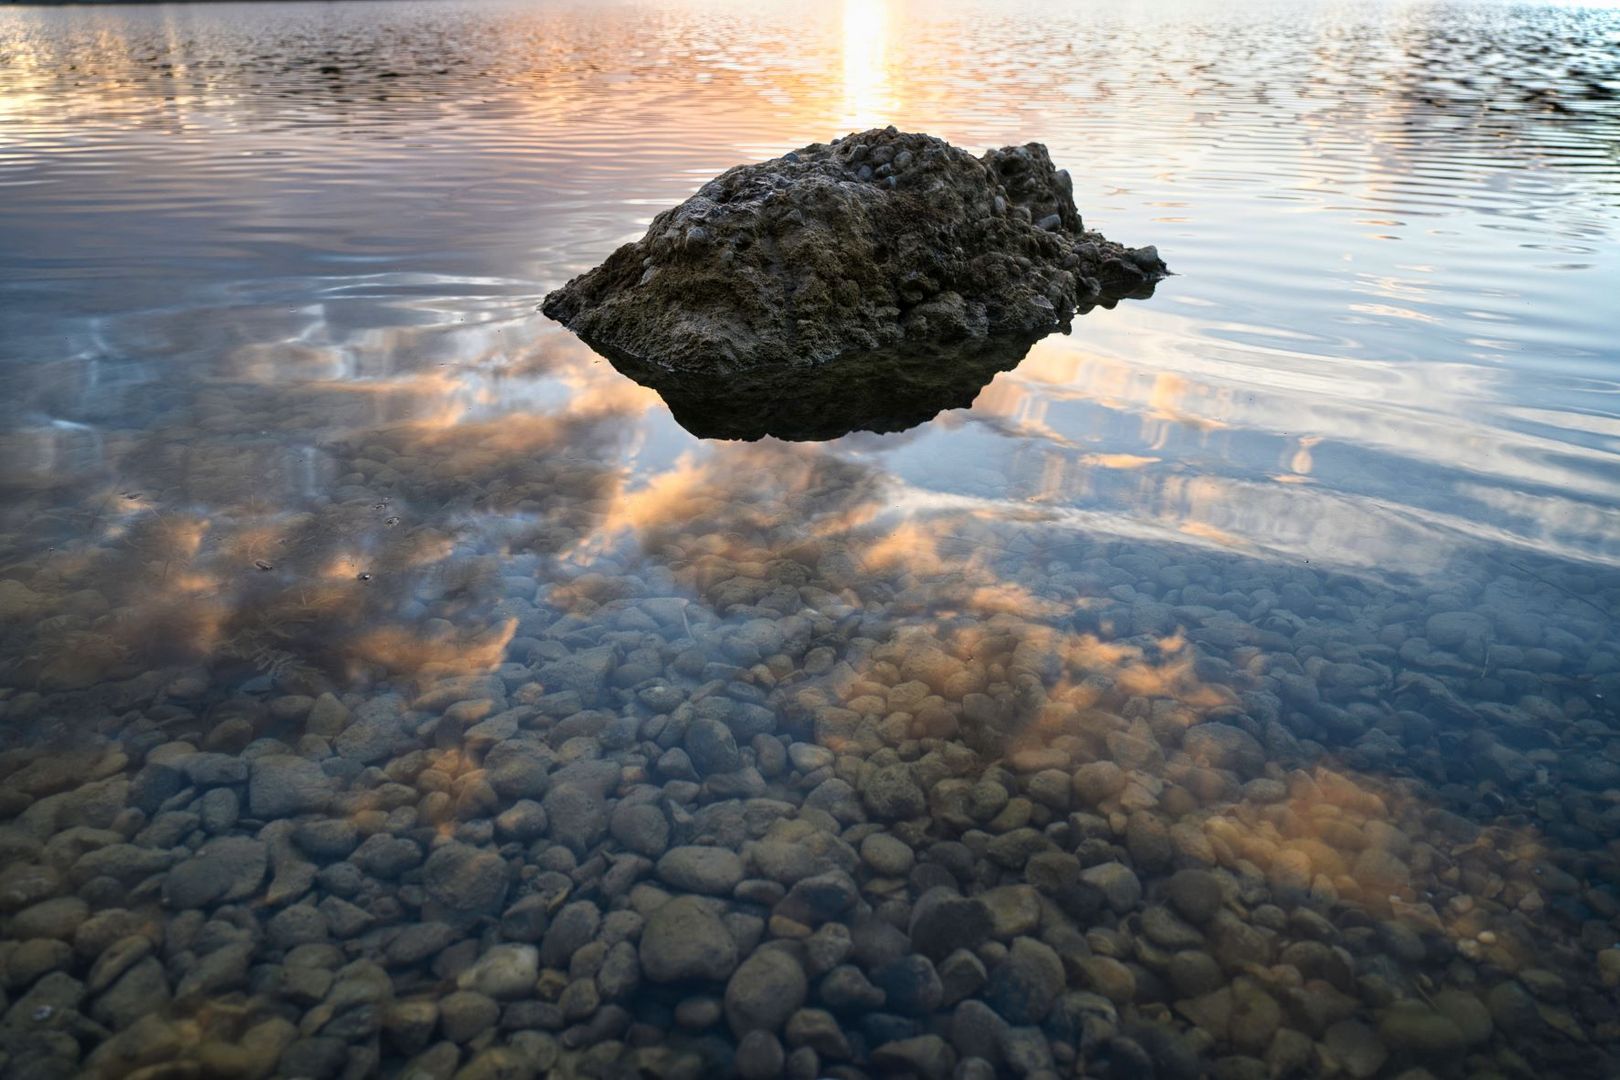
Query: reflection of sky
{"points": [[1390, 337]]}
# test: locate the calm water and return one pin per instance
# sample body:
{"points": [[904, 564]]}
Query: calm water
{"points": [[373, 657]]}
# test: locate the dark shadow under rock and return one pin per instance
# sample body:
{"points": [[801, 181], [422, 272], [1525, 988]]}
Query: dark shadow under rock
{"points": [[882, 239], [882, 390]]}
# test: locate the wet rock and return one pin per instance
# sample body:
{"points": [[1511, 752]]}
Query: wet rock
{"points": [[1118, 883], [815, 900], [910, 986], [378, 727], [1223, 746], [59, 918], [1023, 987], [464, 1015], [759, 1056], [224, 869], [1195, 894], [1414, 1028], [573, 929], [1014, 910], [846, 988], [466, 880], [281, 785], [890, 793], [712, 747], [943, 921], [817, 1029], [578, 817], [640, 827], [764, 991], [506, 971], [926, 1056], [712, 870], [685, 939], [1098, 781], [887, 855], [942, 249]]}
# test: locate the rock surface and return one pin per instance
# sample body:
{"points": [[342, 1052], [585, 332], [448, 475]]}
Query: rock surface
{"points": [[868, 242]]}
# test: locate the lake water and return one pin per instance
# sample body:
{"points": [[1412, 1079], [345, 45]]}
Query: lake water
{"points": [[388, 685]]}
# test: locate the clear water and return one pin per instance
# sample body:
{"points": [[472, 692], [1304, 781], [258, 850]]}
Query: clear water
{"points": [[279, 419]]}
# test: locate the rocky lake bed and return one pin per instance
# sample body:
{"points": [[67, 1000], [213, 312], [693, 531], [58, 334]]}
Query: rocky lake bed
{"points": [[757, 804]]}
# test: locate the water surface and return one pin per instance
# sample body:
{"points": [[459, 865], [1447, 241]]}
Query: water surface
{"points": [[1319, 545]]}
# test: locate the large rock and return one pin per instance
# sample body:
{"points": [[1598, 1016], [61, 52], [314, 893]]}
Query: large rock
{"points": [[767, 989], [466, 880], [685, 939], [282, 785], [874, 240]]}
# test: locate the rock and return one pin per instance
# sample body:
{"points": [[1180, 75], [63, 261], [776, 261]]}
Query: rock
{"points": [[712, 870], [224, 869], [887, 855], [1014, 910], [505, 971], [466, 880], [1098, 781], [1222, 746], [1413, 1028], [712, 747], [1195, 894], [59, 918], [759, 1056], [577, 815], [640, 827], [961, 974], [574, 928], [1110, 978], [764, 991], [1023, 986], [1119, 885], [281, 785], [377, 728], [328, 838], [817, 1029], [910, 986], [846, 988], [821, 256], [890, 793], [926, 1056], [814, 900], [1468, 1013], [942, 921], [464, 1015], [1356, 1047], [523, 821], [685, 939]]}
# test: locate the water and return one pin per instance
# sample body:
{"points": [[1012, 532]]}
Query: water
{"points": [[314, 531]]}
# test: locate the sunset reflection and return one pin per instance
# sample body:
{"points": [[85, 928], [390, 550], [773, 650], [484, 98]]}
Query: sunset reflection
{"points": [[868, 94]]}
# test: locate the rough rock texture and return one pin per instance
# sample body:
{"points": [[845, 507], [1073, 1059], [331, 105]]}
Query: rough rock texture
{"points": [[871, 241]]}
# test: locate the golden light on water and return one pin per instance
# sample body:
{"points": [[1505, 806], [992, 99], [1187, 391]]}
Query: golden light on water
{"points": [[868, 96]]}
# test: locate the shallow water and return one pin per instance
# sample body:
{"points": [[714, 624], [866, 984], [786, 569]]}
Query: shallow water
{"points": [[313, 531]]}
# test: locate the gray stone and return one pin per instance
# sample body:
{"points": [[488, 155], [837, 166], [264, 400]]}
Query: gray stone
{"points": [[712, 870], [224, 869], [1024, 985], [1118, 883], [466, 880], [685, 939], [281, 785], [640, 827], [764, 991]]}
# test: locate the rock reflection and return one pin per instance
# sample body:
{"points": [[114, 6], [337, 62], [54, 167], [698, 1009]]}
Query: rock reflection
{"points": [[886, 391]]}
